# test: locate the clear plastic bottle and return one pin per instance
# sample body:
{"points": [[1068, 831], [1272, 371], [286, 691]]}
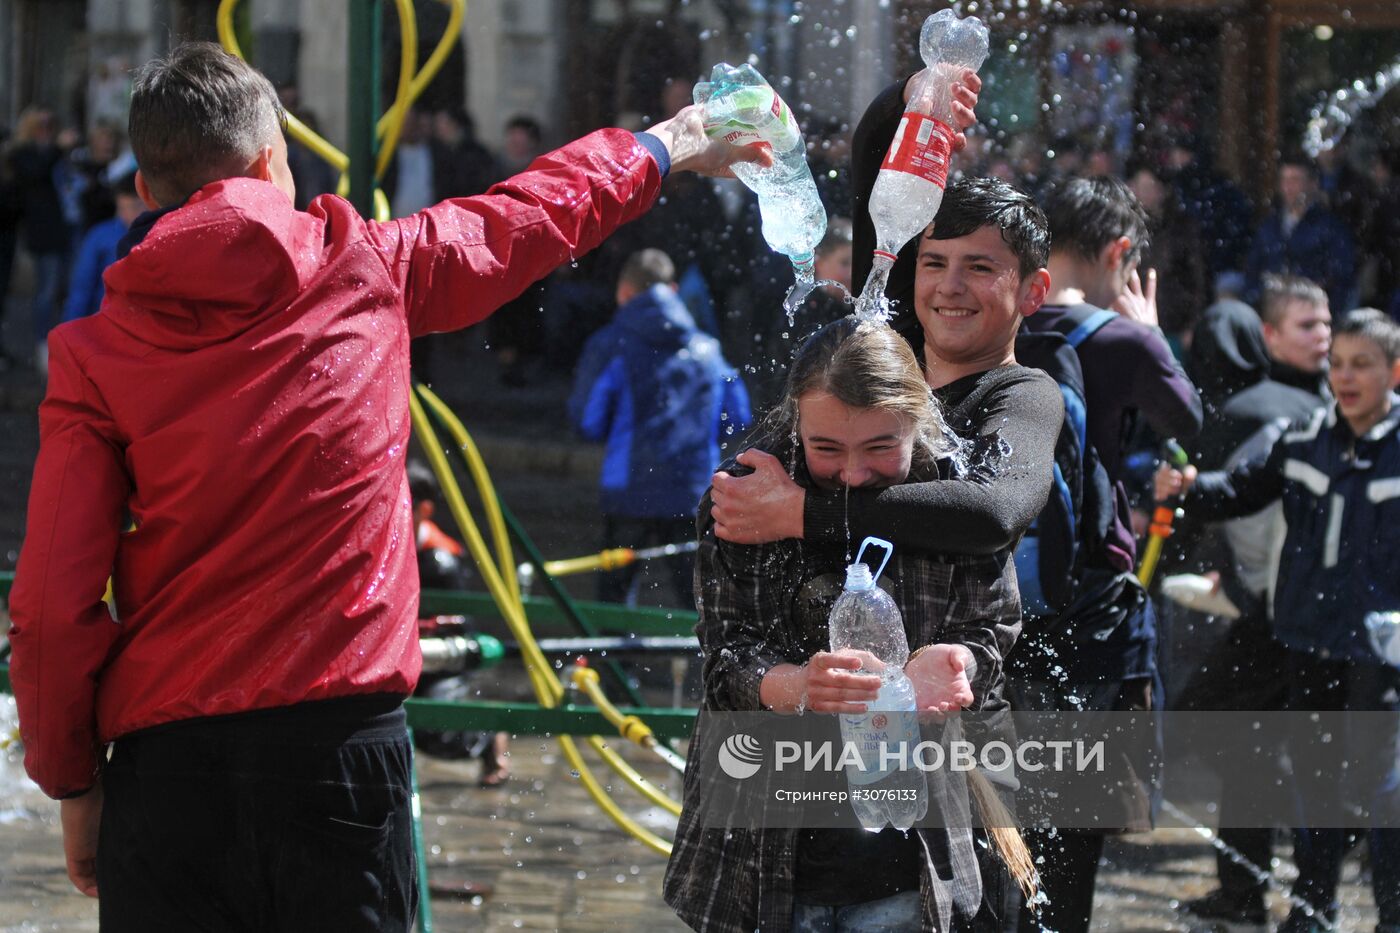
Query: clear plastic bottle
{"points": [[742, 108], [909, 187], [866, 620]]}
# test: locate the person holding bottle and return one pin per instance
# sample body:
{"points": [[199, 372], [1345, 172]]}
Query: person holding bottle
{"points": [[241, 402], [857, 414], [1337, 474]]}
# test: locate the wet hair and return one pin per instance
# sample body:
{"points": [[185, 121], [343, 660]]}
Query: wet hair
{"points": [[1087, 214], [1375, 326], [839, 232], [646, 268], [198, 116], [970, 204], [862, 364], [1281, 290]]}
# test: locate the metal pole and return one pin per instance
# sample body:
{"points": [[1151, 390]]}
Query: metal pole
{"points": [[363, 101]]}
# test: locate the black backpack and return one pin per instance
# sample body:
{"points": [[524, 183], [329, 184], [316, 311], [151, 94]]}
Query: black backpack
{"points": [[1070, 532]]}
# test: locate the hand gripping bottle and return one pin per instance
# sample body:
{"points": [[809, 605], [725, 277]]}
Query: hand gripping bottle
{"points": [[742, 108], [886, 787], [909, 187]]}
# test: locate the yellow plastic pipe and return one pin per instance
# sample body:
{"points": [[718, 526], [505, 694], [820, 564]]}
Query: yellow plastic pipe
{"points": [[408, 58], [300, 131], [610, 559], [486, 489], [546, 685]]}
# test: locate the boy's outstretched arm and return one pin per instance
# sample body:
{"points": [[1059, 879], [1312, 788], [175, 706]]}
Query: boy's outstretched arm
{"points": [[458, 261]]}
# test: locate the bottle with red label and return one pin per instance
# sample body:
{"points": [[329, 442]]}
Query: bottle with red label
{"points": [[909, 188]]}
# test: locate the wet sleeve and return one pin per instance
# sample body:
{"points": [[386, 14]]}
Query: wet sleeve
{"points": [[741, 614], [984, 511], [985, 618], [460, 260], [62, 630], [1244, 489]]}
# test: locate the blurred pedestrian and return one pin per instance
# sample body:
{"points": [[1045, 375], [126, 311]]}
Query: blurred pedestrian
{"points": [[98, 250], [660, 395], [1338, 476], [1220, 209], [1175, 250], [1302, 237], [1246, 669], [1098, 232], [517, 336], [462, 165], [47, 236]]}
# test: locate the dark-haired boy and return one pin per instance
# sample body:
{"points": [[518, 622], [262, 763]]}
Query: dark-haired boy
{"points": [[242, 402], [970, 279], [99, 250], [1338, 477], [1098, 653]]}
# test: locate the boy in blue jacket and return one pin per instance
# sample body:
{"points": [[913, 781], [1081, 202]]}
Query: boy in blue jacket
{"points": [[1338, 475], [98, 251], [659, 391]]}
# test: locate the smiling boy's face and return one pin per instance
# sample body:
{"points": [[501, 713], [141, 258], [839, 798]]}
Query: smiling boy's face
{"points": [[970, 297], [1362, 380]]}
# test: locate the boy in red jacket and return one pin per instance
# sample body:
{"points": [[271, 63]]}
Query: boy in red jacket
{"points": [[240, 403]]}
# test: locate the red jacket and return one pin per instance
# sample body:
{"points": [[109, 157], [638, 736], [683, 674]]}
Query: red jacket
{"points": [[242, 398]]}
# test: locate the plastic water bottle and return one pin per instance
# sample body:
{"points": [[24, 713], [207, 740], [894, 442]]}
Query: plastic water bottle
{"points": [[1384, 631], [742, 108], [866, 620], [909, 187]]}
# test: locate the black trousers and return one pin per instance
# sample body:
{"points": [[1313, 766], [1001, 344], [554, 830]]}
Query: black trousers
{"points": [[291, 819], [619, 586]]}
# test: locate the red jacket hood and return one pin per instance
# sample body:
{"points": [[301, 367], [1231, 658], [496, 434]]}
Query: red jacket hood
{"points": [[177, 298]]}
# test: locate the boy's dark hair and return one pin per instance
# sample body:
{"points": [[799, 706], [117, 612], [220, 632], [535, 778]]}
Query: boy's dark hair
{"points": [[1299, 159], [422, 482], [199, 116], [1278, 291], [970, 204], [1087, 214], [646, 268], [529, 124], [1375, 326], [126, 185]]}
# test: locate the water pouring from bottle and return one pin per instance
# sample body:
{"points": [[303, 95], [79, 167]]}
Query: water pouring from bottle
{"points": [[741, 108], [909, 187]]}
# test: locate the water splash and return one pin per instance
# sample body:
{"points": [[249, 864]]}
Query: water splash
{"points": [[1329, 120], [799, 292]]}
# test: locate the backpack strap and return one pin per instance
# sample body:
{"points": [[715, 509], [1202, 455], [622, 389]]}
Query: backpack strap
{"points": [[1088, 326]]}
